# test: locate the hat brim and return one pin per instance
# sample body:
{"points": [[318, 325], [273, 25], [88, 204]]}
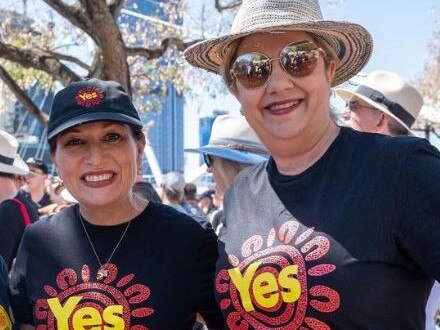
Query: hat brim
{"points": [[347, 94], [19, 167], [92, 117], [351, 43], [244, 157]]}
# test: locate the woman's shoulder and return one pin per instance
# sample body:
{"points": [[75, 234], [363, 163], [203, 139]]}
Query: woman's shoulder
{"points": [[376, 140], [379, 145]]}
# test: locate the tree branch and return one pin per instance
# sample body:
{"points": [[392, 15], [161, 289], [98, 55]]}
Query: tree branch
{"points": [[158, 52], [233, 4], [22, 97], [40, 60], [68, 58], [74, 14], [115, 7]]}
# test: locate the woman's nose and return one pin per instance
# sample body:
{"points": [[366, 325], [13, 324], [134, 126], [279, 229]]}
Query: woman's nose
{"points": [[279, 79]]}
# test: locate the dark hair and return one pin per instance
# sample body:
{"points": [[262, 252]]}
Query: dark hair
{"points": [[136, 131], [190, 190], [38, 163]]}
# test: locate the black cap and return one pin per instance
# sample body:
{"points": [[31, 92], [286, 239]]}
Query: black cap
{"points": [[91, 100], [38, 164]]}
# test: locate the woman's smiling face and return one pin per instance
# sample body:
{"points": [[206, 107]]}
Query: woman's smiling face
{"points": [[98, 162], [285, 107]]}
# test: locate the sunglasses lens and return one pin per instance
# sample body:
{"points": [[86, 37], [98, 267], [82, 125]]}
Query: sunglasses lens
{"points": [[299, 59], [353, 105], [251, 70]]}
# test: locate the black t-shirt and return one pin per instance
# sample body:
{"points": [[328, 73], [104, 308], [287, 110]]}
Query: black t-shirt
{"points": [[6, 322], [350, 243], [159, 277], [12, 225]]}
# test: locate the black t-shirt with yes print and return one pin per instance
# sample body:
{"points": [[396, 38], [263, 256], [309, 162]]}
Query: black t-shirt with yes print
{"points": [[159, 277], [350, 243]]}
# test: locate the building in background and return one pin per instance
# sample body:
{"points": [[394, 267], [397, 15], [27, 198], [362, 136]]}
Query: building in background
{"points": [[166, 128]]}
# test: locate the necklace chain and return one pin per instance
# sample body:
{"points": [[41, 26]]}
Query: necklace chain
{"points": [[102, 271]]}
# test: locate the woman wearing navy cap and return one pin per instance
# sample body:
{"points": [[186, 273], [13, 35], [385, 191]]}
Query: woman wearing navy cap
{"points": [[115, 259]]}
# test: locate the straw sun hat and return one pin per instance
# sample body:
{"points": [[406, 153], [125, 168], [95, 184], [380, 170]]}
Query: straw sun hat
{"points": [[350, 42]]}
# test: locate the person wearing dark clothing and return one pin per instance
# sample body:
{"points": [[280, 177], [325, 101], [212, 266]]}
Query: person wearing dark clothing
{"points": [[36, 182], [114, 259], [13, 221], [16, 210]]}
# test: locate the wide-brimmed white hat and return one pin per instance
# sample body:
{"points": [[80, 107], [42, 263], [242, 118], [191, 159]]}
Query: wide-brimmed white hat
{"points": [[232, 138], [10, 161], [351, 42], [389, 93]]}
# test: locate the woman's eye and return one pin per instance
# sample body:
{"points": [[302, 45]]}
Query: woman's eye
{"points": [[73, 142], [112, 137]]}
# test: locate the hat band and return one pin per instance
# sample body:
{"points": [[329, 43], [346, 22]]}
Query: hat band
{"points": [[240, 147], [395, 108], [6, 160]]}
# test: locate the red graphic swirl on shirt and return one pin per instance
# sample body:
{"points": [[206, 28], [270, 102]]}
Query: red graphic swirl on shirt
{"points": [[268, 288], [85, 295]]}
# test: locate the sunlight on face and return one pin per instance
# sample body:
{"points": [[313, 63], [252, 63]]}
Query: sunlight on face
{"points": [[98, 161], [286, 107]]}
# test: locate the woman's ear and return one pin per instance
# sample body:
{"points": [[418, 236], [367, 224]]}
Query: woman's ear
{"points": [[141, 142], [330, 71]]}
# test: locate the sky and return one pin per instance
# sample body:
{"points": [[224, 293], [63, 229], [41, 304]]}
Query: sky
{"points": [[401, 30]]}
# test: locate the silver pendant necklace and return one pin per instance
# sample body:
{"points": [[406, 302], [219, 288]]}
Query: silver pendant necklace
{"points": [[102, 272]]}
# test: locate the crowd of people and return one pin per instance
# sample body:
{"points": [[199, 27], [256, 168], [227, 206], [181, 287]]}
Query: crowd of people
{"points": [[310, 224]]}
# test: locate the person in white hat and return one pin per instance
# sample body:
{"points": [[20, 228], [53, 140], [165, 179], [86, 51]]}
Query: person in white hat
{"points": [[16, 210], [335, 231], [233, 146], [382, 103]]}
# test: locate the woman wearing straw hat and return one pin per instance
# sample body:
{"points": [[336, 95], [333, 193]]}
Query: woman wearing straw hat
{"points": [[114, 259], [308, 243]]}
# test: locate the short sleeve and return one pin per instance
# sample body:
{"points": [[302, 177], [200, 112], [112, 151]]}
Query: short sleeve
{"points": [[419, 224]]}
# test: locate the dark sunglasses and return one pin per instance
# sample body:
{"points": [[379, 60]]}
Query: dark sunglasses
{"points": [[208, 160], [298, 59], [355, 106]]}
